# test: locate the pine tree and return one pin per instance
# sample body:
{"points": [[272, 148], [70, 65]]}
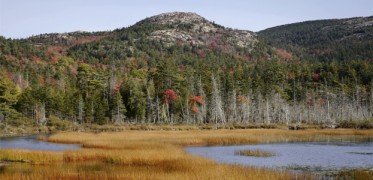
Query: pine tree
{"points": [[9, 94], [134, 98], [118, 109]]}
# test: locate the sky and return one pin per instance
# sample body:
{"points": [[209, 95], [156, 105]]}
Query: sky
{"points": [[24, 18]]}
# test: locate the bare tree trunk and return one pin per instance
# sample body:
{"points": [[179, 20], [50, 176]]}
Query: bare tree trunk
{"points": [[148, 106], [157, 119], [371, 100], [216, 108], [287, 114], [166, 108], [203, 110], [113, 81], [247, 110], [184, 115], [39, 111], [187, 114], [80, 110], [267, 111]]}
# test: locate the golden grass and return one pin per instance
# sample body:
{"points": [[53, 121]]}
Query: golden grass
{"points": [[255, 153], [29, 156], [153, 155], [149, 139]]}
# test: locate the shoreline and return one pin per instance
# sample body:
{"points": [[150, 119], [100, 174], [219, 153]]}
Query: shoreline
{"points": [[164, 127], [17, 135], [141, 154]]}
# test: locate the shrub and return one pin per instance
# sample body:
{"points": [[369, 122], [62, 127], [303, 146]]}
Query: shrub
{"points": [[59, 124], [21, 122], [366, 124]]}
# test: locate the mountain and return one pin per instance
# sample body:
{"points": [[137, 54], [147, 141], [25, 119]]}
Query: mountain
{"points": [[184, 37], [182, 68], [335, 39], [186, 33]]}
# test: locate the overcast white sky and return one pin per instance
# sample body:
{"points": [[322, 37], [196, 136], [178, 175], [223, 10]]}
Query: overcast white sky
{"points": [[23, 18]]}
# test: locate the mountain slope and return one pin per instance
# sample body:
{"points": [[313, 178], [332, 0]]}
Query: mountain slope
{"points": [[66, 39], [183, 37], [186, 33], [335, 39]]}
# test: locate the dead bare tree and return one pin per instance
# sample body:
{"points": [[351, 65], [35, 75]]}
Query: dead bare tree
{"points": [[216, 106]]}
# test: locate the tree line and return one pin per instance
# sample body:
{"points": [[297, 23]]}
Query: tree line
{"points": [[264, 92]]}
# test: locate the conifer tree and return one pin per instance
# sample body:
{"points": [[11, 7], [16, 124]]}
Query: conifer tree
{"points": [[9, 94]]}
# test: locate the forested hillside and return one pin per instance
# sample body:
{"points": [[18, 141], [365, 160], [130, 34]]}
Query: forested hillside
{"points": [[325, 40], [178, 68]]}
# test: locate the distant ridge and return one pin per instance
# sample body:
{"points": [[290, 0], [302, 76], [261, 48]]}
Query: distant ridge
{"points": [[333, 39]]}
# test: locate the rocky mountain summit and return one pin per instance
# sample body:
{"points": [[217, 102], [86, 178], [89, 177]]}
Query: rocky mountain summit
{"points": [[176, 18], [191, 28]]}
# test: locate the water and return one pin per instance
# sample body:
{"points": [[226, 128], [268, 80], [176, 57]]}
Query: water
{"points": [[316, 156], [31, 142]]}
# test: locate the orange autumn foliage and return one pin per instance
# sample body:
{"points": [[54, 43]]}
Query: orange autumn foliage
{"points": [[195, 100]]}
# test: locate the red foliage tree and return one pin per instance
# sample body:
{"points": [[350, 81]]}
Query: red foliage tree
{"points": [[169, 96], [316, 77]]}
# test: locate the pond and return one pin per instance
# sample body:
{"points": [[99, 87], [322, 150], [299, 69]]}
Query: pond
{"points": [[311, 156], [31, 142]]}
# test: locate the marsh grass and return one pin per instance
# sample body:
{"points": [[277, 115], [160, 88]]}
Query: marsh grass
{"points": [[355, 174], [29, 156], [153, 155], [254, 152]]}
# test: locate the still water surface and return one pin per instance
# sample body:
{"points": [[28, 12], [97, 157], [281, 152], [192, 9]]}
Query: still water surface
{"points": [[307, 156], [310, 155], [31, 142]]}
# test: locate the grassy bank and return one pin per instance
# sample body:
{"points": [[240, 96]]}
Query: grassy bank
{"points": [[55, 125], [156, 154]]}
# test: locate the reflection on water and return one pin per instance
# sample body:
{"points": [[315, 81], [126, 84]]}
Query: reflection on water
{"points": [[31, 142], [312, 156]]}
